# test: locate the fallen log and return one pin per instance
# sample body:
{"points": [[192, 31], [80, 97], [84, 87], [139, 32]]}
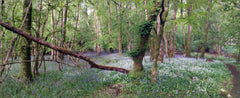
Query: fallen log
{"points": [[60, 49]]}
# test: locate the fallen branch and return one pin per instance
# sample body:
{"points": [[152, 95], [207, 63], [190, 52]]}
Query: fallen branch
{"points": [[60, 49]]}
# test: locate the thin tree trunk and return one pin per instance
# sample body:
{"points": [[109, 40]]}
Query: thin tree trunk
{"points": [[25, 70], [173, 33], [184, 36], [188, 46], [206, 31], [120, 29], [37, 46], [151, 46], [97, 30], [130, 45], [89, 27], [109, 26], [151, 43], [166, 44], [2, 30], [53, 35], [64, 22], [161, 52], [75, 29]]}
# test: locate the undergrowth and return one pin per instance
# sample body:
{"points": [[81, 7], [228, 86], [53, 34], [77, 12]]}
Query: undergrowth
{"points": [[179, 77]]}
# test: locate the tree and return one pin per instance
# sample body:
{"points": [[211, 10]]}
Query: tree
{"points": [[206, 31], [120, 28], [26, 71], [109, 25], [162, 13], [188, 45], [173, 33]]}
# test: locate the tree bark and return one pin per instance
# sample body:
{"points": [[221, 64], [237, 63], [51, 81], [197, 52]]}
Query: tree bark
{"points": [[64, 22], [109, 26], [151, 43], [161, 52], [151, 46], [163, 9], [206, 31], [173, 33], [75, 29], [60, 49], [53, 35], [25, 70], [97, 30], [37, 47], [120, 28], [188, 46], [166, 43]]}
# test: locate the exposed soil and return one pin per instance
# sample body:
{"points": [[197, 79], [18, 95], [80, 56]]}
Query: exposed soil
{"points": [[235, 92]]}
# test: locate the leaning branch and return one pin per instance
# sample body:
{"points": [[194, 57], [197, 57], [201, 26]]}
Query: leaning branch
{"points": [[60, 49]]}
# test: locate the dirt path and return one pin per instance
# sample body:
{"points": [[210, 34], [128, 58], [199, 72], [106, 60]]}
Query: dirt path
{"points": [[235, 92]]}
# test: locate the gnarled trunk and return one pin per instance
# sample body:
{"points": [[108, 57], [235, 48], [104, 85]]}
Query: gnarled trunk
{"points": [[162, 7]]}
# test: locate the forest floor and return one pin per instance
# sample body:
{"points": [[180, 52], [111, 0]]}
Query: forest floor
{"points": [[235, 92], [177, 77]]}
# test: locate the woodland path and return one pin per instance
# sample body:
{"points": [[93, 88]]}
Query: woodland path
{"points": [[235, 92]]}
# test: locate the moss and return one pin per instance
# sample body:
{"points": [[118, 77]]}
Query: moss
{"points": [[135, 52], [145, 28]]}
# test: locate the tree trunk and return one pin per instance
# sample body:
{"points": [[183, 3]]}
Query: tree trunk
{"points": [[120, 29], [161, 52], [109, 26], [173, 33], [97, 30], [206, 31], [53, 53], [151, 44], [166, 43], [171, 42], [188, 46], [75, 29], [25, 70], [2, 51], [37, 46], [65, 14], [184, 36], [164, 12]]}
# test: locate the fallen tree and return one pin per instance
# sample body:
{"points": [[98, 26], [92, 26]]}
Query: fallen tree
{"points": [[60, 49]]}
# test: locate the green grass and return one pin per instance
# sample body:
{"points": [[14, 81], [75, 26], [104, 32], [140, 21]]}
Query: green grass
{"points": [[176, 78]]}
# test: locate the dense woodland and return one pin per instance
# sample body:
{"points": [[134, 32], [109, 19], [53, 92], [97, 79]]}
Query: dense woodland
{"points": [[146, 48]]}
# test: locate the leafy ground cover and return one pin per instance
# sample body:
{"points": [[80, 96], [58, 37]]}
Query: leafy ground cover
{"points": [[177, 77], [211, 56]]}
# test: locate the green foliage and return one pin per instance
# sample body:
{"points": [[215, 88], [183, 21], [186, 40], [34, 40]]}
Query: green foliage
{"points": [[135, 52], [176, 78], [145, 28]]}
